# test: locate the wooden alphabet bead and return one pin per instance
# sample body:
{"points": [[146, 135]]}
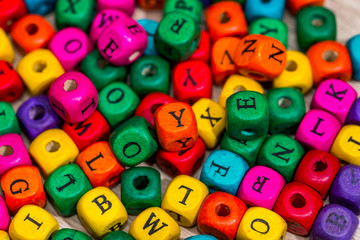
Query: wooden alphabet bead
{"points": [[52, 149], [6, 50], [260, 57], [126, 6], [150, 27], [4, 235], [67, 233], [32, 222], [183, 199], [201, 237], [346, 145], [4, 218], [8, 121], [202, 53], [101, 212], [270, 27], [73, 97], [118, 235], [154, 4], [220, 215], [11, 86], [176, 118], [298, 204], [41, 7], [191, 8], [38, 69], [295, 5], [22, 185], [259, 9], [352, 46], [318, 130], [353, 116], [10, 12]]}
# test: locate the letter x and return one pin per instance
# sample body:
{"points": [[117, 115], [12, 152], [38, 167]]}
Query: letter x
{"points": [[210, 118], [72, 3]]}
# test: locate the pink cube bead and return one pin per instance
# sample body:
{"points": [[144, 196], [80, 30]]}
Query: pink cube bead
{"points": [[318, 130], [102, 20], [12, 152], [73, 97], [70, 46], [4, 215], [126, 6], [122, 42], [334, 96], [261, 187]]}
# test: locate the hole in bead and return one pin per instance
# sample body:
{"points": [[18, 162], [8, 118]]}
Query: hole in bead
{"points": [[224, 17], [320, 166], [52, 146], [149, 70], [39, 66], [284, 102], [70, 85], [240, 89], [330, 55], [6, 150], [134, 56], [141, 182], [255, 75], [297, 201], [102, 63], [222, 210], [36, 112], [291, 66], [247, 132], [155, 107], [32, 29], [318, 21]]}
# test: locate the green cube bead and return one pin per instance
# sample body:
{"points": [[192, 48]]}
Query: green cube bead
{"points": [[65, 186], [247, 115], [118, 235], [150, 74], [117, 102], [177, 36], [8, 119], [315, 24], [270, 27], [281, 153], [248, 149], [101, 72], [70, 234], [134, 141], [286, 110], [140, 189], [79, 13], [190, 7]]}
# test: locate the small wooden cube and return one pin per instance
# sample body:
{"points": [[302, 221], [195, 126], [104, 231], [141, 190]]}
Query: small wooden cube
{"points": [[11, 86], [202, 53], [8, 121], [347, 144], [5, 217], [6, 50], [67, 233]]}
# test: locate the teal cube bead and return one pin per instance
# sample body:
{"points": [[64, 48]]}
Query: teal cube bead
{"points": [[286, 110], [70, 234], [150, 27], [201, 237], [150, 74], [134, 141], [282, 154], [118, 235], [190, 7], [315, 24], [117, 102], [65, 186], [271, 27], [353, 45], [140, 189], [8, 119], [101, 72]]}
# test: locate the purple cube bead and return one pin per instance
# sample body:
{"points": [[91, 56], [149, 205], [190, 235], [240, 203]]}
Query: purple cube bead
{"points": [[354, 113], [334, 222], [345, 189], [36, 115]]}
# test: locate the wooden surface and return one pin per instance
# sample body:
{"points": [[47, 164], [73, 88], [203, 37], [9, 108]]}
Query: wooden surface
{"points": [[348, 24]]}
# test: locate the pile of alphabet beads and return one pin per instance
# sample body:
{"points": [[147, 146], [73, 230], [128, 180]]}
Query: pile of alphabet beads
{"points": [[97, 119]]}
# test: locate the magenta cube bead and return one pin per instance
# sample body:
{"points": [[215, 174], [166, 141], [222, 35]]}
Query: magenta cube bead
{"points": [[70, 46], [4, 215], [334, 96], [318, 130], [12, 152], [122, 42], [73, 97], [261, 187], [126, 6]]}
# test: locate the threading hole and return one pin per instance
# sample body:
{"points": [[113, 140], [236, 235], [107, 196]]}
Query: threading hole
{"points": [[256, 76], [222, 210], [102, 63], [36, 112], [134, 56], [297, 201], [149, 70], [70, 85], [52, 146], [155, 107], [330, 55], [31, 29], [141, 182], [291, 66], [247, 132], [224, 17], [320, 166], [284, 102], [6, 150], [317, 21], [240, 89], [39, 66]]}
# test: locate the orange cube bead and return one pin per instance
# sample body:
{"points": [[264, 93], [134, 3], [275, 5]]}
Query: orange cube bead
{"points": [[329, 60], [32, 32], [260, 57], [176, 127], [296, 5]]}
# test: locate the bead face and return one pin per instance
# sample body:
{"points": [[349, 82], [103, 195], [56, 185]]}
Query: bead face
{"points": [[354, 114], [150, 27], [352, 46], [5, 218], [11, 86], [8, 120], [66, 233], [6, 50], [118, 235], [186, 7], [346, 144], [202, 53], [126, 6], [295, 5], [258, 9], [10, 12], [270, 27], [41, 7]]}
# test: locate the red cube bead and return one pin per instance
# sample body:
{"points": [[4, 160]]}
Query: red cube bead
{"points": [[202, 53], [11, 86], [10, 11]]}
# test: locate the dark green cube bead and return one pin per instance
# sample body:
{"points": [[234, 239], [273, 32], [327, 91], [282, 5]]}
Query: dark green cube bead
{"points": [[150, 74], [190, 7], [271, 27], [70, 234], [101, 72], [140, 189], [315, 24], [118, 235], [65, 186], [8, 119], [286, 110], [282, 154]]}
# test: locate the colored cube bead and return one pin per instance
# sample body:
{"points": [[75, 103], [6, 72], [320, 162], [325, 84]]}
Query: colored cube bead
{"points": [[354, 113], [247, 115], [286, 110], [67, 233], [150, 27], [352, 46], [36, 116], [201, 237], [134, 141], [271, 27], [220, 215], [118, 235], [157, 4], [298, 204], [52, 149], [318, 130], [126, 6], [295, 5], [183, 198], [4, 218], [8, 120], [6, 50], [256, 9], [346, 146], [101, 212], [10, 12], [140, 189], [41, 7], [202, 53], [4, 235], [192, 8], [223, 171], [11, 86]]}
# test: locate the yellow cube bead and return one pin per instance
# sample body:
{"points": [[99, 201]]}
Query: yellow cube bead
{"points": [[6, 49], [236, 83], [183, 199], [154, 224], [32, 222], [4, 235], [210, 118], [52, 149], [346, 146], [261, 224], [38, 69], [297, 74], [101, 212]]}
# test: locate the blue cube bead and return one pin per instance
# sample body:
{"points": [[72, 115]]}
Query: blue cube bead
{"points": [[201, 237], [353, 46], [41, 7], [255, 9], [223, 171], [150, 27]]}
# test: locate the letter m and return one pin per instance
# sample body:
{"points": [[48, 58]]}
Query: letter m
{"points": [[153, 224]]}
